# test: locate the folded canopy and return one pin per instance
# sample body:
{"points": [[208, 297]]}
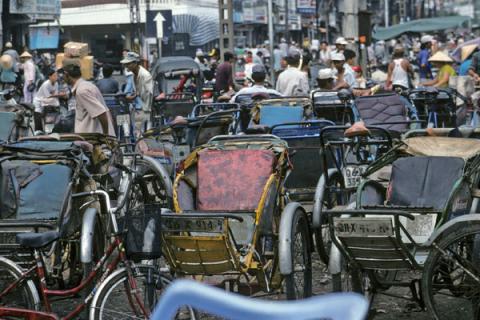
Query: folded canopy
{"points": [[442, 147], [421, 25]]}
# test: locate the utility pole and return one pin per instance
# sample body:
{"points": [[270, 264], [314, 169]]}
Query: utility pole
{"points": [[287, 23], [225, 8], [387, 13], [270, 39], [476, 11]]}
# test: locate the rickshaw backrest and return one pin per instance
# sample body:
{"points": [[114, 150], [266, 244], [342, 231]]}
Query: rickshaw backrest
{"points": [[33, 191], [232, 180], [273, 115], [383, 108], [7, 122], [424, 181]]}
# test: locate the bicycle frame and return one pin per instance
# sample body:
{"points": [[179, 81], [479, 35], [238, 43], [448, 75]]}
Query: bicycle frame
{"points": [[39, 271]]}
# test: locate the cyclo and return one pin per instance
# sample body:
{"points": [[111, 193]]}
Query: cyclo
{"points": [[419, 231], [231, 219]]}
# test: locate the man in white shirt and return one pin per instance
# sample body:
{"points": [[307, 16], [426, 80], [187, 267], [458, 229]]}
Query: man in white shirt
{"points": [[29, 76], [47, 95], [350, 56], [293, 82], [344, 78], [340, 45], [144, 89], [258, 76]]}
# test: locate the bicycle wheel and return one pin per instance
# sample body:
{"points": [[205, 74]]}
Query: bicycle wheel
{"points": [[298, 284], [24, 295], [148, 187], [332, 197], [115, 299], [451, 275]]}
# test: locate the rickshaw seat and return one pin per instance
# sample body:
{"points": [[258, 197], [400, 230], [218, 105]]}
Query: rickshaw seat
{"points": [[232, 180], [424, 181]]}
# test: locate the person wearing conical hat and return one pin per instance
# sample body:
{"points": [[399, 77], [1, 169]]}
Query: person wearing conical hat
{"points": [[474, 70], [444, 63], [467, 54], [29, 77]]}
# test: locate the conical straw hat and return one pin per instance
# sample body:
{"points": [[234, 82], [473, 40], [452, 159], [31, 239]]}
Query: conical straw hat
{"points": [[25, 55], [467, 51], [440, 57]]}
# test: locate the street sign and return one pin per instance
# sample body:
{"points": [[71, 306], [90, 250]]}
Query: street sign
{"points": [[159, 24], [306, 7], [159, 19]]}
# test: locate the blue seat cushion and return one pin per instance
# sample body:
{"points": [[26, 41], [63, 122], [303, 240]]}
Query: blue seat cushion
{"points": [[273, 115]]}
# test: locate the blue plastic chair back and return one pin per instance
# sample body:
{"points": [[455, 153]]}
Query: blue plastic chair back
{"points": [[273, 115], [341, 306]]}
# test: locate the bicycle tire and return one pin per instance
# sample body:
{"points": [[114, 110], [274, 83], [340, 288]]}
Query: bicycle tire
{"points": [[302, 255], [450, 278], [110, 294], [25, 296]]}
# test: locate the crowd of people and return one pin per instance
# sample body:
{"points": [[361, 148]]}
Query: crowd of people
{"points": [[398, 64]]}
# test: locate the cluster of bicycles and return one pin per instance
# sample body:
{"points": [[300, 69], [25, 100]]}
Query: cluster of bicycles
{"points": [[240, 195]]}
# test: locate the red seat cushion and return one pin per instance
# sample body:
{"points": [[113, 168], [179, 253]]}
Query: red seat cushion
{"points": [[232, 180]]}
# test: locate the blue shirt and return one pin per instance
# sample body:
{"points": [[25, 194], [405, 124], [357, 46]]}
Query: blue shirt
{"points": [[463, 70], [422, 58]]}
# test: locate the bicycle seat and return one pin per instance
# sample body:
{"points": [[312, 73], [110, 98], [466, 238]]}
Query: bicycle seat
{"points": [[37, 240]]}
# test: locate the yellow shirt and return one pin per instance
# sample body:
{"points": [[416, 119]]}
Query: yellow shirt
{"points": [[446, 69]]}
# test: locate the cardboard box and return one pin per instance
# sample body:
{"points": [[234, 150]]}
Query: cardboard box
{"points": [[86, 65], [59, 60], [76, 49]]}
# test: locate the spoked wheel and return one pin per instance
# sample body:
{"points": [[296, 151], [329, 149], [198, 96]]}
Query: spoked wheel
{"points": [[24, 295], [116, 299], [332, 197], [298, 284], [148, 187], [451, 276]]}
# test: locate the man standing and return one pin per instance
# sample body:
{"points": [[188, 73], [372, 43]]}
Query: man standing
{"points": [[350, 56], [91, 113], [425, 70], [143, 89], [340, 45], [224, 77], [107, 85], [344, 79], [293, 82], [12, 53], [324, 55], [29, 77]]}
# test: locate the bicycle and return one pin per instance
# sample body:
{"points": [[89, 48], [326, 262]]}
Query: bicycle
{"points": [[142, 284]]}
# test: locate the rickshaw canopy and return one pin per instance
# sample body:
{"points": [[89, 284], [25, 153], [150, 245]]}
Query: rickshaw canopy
{"points": [[442, 147]]}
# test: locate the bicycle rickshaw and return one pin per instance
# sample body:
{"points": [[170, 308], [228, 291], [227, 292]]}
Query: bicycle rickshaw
{"points": [[171, 144], [418, 229], [437, 107], [335, 106], [37, 182], [235, 223], [344, 156]]}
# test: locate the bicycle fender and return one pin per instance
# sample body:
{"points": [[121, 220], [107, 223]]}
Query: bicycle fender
{"points": [[319, 192], [453, 224], [86, 240], [285, 237]]}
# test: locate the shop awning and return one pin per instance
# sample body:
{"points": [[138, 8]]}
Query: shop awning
{"points": [[202, 28], [421, 25]]}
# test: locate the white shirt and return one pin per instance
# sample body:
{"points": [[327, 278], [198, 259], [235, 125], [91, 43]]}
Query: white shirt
{"points": [[255, 89], [349, 76], [144, 88], [43, 98], [293, 83], [29, 71]]}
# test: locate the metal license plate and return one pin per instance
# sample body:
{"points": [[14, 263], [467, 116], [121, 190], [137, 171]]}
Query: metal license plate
{"points": [[123, 118], [353, 175], [362, 227], [181, 224]]}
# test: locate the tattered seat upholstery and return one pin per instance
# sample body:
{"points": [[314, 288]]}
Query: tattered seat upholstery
{"points": [[424, 181], [383, 108], [232, 180]]}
